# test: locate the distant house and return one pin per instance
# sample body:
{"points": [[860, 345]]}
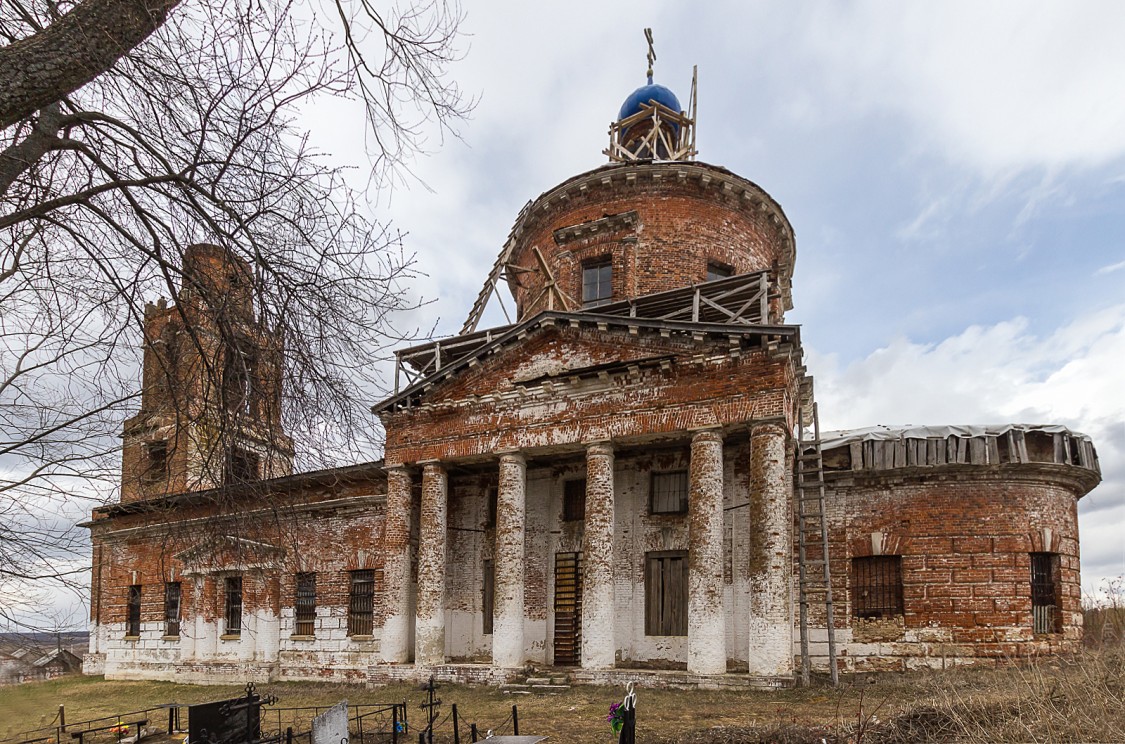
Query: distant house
{"points": [[30, 664]]}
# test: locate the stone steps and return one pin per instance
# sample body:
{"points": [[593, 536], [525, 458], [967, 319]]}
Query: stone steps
{"points": [[545, 685]]}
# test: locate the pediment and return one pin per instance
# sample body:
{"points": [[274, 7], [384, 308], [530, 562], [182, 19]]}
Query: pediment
{"points": [[555, 353], [229, 553], [554, 343]]}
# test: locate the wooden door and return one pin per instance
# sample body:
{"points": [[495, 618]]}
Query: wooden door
{"points": [[568, 609]]}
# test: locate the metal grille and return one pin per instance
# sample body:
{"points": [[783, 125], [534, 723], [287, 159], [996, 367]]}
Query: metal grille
{"points": [[133, 611], [574, 500], [361, 602], [172, 593], [597, 283], [234, 605], [877, 586], [669, 492], [568, 609], [1044, 592], [305, 605]]}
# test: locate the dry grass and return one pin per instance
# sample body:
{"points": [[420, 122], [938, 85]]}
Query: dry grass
{"points": [[1081, 698]]}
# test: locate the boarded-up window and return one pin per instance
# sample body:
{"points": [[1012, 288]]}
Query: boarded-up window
{"points": [[305, 604], [666, 593], [574, 500], [361, 602], [877, 586], [1045, 615], [233, 587], [597, 282], [669, 492], [488, 596], [172, 595], [133, 611]]}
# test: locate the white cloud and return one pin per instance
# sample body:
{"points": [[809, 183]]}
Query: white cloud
{"points": [[996, 85], [1110, 268], [1004, 373]]}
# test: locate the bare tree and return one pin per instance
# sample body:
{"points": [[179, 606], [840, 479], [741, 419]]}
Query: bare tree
{"points": [[130, 129]]}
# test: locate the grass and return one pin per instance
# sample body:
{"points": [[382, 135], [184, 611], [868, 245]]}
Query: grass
{"points": [[1081, 698]]}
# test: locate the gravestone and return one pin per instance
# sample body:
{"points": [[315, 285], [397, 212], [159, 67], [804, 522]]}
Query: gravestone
{"points": [[216, 722], [331, 726]]}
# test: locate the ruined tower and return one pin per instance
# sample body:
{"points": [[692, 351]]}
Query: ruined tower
{"points": [[211, 391]]}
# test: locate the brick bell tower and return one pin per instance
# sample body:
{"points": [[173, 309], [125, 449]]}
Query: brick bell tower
{"points": [[211, 391], [652, 220]]}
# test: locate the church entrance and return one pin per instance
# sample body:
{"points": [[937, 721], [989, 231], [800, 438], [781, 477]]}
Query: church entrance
{"points": [[568, 609]]}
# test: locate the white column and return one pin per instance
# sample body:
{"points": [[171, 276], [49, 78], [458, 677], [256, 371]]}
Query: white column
{"points": [[429, 628], [507, 624], [771, 606], [395, 645], [707, 644], [598, 646]]}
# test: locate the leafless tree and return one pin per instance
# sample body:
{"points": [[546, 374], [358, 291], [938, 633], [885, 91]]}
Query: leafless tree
{"points": [[130, 129]]}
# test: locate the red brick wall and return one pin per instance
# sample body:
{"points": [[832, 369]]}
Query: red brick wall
{"points": [[682, 224], [965, 533]]}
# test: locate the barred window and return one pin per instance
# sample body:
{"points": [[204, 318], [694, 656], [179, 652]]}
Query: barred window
{"points": [[666, 593], [172, 595], [877, 586], [574, 500], [233, 614], [361, 602], [305, 604], [133, 611], [1045, 615], [669, 493]]}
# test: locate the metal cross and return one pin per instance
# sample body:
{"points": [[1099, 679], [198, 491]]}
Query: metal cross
{"points": [[651, 53]]}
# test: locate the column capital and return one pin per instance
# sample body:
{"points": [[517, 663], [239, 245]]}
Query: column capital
{"points": [[513, 456], [710, 434], [432, 465], [397, 467], [777, 427], [602, 447]]}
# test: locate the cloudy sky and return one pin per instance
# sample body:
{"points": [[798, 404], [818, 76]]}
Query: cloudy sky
{"points": [[955, 174]]}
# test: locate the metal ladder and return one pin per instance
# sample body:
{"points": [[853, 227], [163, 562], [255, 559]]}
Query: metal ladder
{"points": [[814, 576]]}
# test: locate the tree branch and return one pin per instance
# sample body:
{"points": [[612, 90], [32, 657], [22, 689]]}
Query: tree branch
{"points": [[43, 68]]}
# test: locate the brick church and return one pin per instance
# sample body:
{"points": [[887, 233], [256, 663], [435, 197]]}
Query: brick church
{"points": [[627, 480]]}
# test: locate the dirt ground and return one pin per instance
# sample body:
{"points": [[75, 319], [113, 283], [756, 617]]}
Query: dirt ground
{"points": [[1078, 699]]}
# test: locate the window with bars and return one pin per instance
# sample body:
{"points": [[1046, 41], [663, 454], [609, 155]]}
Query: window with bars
{"points": [[666, 593], [305, 604], [361, 602], [669, 493], [1045, 615], [574, 500], [597, 282], [877, 586], [172, 596], [488, 596], [133, 611], [232, 587]]}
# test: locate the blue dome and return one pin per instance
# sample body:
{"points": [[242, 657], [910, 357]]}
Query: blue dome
{"points": [[648, 94]]}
